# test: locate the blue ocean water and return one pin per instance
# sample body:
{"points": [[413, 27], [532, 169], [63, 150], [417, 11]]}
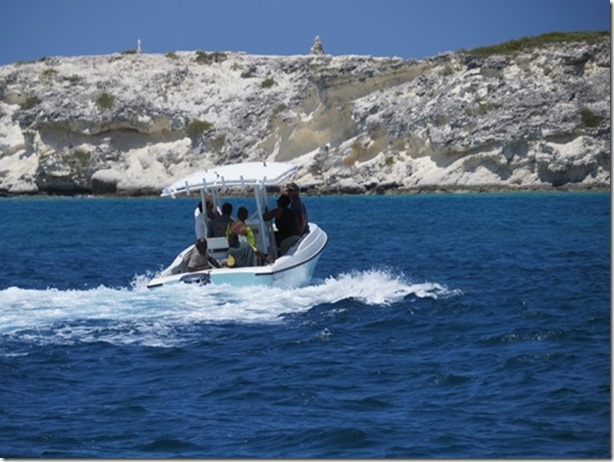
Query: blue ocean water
{"points": [[455, 326]]}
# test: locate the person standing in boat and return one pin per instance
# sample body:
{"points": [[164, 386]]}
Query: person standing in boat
{"points": [[212, 214], [200, 258], [199, 224], [299, 208], [288, 230], [220, 224]]}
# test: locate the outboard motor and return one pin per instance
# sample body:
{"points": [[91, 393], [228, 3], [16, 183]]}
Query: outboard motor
{"points": [[199, 278]]}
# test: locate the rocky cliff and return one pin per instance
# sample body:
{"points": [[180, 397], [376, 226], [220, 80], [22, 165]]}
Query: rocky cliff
{"points": [[130, 123]]}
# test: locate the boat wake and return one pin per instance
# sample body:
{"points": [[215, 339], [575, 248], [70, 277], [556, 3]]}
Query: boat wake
{"points": [[151, 317]]}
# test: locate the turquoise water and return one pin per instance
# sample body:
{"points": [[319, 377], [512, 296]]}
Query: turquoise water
{"points": [[436, 326]]}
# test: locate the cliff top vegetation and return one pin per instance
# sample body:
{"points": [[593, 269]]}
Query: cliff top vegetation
{"points": [[531, 42]]}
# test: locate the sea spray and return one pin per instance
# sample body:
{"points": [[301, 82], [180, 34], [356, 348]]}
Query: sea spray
{"points": [[138, 314]]}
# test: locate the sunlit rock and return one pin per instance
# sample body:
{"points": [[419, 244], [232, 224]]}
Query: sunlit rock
{"points": [[132, 123]]}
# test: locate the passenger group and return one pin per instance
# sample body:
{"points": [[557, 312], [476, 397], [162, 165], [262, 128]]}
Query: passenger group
{"points": [[291, 221]]}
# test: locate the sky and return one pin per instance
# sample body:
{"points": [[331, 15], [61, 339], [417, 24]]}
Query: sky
{"points": [[409, 29]]}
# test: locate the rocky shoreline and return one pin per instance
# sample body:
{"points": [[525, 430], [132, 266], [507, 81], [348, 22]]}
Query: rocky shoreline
{"points": [[535, 118], [332, 191]]}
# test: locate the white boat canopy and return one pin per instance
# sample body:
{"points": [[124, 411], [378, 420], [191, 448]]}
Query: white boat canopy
{"points": [[246, 174]]}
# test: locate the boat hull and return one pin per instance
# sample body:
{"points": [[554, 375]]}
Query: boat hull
{"points": [[292, 270]]}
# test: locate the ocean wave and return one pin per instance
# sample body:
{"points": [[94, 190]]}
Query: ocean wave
{"points": [[151, 317]]}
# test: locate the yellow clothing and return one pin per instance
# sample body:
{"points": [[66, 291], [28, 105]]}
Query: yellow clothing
{"points": [[251, 239]]}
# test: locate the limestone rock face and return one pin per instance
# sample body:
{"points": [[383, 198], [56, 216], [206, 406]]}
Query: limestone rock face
{"points": [[132, 123]]}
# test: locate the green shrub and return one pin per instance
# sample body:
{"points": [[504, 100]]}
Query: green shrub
{"points": [[280, 108], [208, 58], [446, 71], [81, 156], [172, 55], [589, 118], [73, 79], [485, 108], [268, 83], [30, 102], [482, 109], [196, 128], [247, 73], [49, 73], [531, 42], [105, 101]]}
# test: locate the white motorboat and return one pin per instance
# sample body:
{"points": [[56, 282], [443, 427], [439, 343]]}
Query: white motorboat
{"points": [[293, 269]]}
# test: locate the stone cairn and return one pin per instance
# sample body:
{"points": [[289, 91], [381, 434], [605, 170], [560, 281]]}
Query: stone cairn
{"points": [[317, 48]]}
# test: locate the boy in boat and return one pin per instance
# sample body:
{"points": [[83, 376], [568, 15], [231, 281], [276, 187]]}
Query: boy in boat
{"points": [[241, 253], [239, 227]]}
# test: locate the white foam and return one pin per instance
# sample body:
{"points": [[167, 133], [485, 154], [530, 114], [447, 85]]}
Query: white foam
{"points": [[152, 317]]}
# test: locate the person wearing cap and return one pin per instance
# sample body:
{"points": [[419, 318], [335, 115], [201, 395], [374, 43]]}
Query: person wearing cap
{"points": [[286, 222], [297, 205]]}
